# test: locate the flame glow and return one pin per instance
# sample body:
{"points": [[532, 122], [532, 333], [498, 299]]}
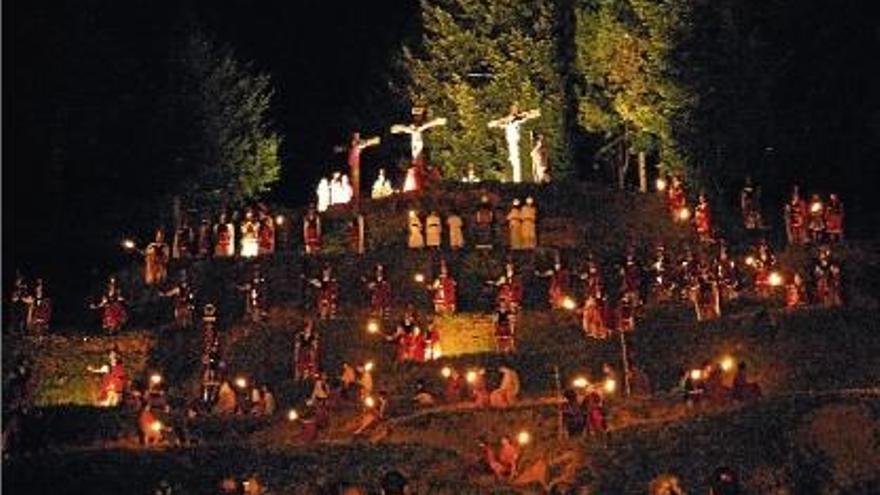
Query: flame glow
{"points": [[446, 372], [523, 437]]}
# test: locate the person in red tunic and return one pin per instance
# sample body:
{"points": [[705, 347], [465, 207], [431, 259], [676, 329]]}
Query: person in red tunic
{"points": [[505, 329], [455, 388], [749, 200], [184, 303], [39, 312], [661, 286], [594, 407], [305, 352], [796, 218], [795, 292], [591, 275], [113, 382], [312, 231], [676, 198], [816, 219], [631, 275], [380, 293], [444, 291], [762, 261], [224, 238], [703, 219], [510, 289], [433, 349], [706, 298], [112, 306], [183, 246], [834, 218], [328, 290], [826, 274], [416, 345], [266, 241], [594, 314], [559, 289], [156, 260], [726, 273], [205, 240], [626, 312]]}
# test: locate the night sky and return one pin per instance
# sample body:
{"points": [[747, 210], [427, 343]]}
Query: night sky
{"points": [[82, 77]]}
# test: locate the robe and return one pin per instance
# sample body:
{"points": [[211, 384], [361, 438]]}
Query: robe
{"points": [[250, 242], [415, 240], [224, 233], [444, 295], [514, 221], [323, 195], [155, 263], [456, 238], [433, 231], [529, 237]]}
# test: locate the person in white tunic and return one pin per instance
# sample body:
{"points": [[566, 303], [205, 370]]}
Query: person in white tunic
{"points": [[415, 240], [456, 237], [514, 222], [433, 230], [529, 214], [323, 194], [336, 193], [512, 123], [346, 190], [382, 186]]}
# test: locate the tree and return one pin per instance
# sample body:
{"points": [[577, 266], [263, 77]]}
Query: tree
{"points": [[225, 150], [475, 58], [630, 92]]}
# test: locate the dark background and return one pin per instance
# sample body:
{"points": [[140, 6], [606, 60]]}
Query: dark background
{"points": [[81, 79]]}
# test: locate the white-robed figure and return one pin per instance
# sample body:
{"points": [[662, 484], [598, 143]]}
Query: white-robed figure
{"points": [[323, 195], [336, 192], [511, 123], [415, 240], [346, 190], [382, 187]]}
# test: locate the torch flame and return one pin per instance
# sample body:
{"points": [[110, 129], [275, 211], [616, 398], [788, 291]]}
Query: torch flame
{"points": [[369, 401], [660, 183], [156, 426], [775, 279], [419, 278], [240, 382], [610, 385], [372, 327], [292, 415], [279, 220], [696, 374], [523, 437], [369, 365], [727, 363], [128, 244], [155, 378], [569, 304], [471, 376], [684, 214], [580, 382], [446, 372], [816, 207], [750, 260]]}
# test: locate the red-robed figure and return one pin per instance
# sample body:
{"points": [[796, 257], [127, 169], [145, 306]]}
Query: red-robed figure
{"points": [[834, 218], [204, 239], [354, 149], [328, 290], [312, 231], [749, 200], [416, 345], [112, 306], [559, 288], [380, 293], [796, 218], [39, 313], [703, 219], [676, 198], [816, 219], [156, 260], [267, 234], [113, 382], [305, 352], [795, 292], [444, 289], [184, 304], [726, 274], [591, 276], [706, 297], [510, 289], [505, 329], [224, 238], [826, 274], [594, 314], [762, 261], [626, 312], [631, 275]]}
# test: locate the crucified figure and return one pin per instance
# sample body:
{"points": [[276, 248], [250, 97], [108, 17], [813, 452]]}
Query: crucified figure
{"points": [[511, 124], [354, 149], [416, 131]]}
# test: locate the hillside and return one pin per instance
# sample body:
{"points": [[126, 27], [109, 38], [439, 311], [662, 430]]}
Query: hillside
{"points": [[806, 361]]}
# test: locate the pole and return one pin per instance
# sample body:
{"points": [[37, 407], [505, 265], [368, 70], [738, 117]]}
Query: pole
{"points": [[625, 359], [559, 420]]}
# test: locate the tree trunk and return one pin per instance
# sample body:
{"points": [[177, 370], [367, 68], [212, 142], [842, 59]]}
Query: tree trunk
{"points": [[643, 172], [624, 160]]}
